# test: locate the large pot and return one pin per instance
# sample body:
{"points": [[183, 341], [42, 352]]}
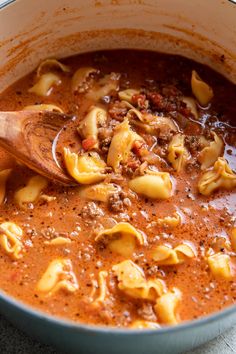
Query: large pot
{"points": [[31, 30]]}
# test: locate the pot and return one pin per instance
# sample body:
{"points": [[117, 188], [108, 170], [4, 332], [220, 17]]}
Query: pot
{"points": [[31, 30]]}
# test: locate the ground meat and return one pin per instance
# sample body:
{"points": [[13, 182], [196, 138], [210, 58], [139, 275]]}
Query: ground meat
{"points": [[117, 202], [192, 143], [140, 100], [91, 210], [146, 312], [118, 110]]}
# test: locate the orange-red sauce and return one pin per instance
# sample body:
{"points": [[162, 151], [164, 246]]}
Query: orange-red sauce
{"points": [[204, 218]]}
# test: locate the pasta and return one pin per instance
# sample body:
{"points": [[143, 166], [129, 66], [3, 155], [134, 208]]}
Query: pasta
{"points": [[166, 306], [45, 83], [126, 95], [58, 241], [80, 79], [31, 192], [85, 169], [102, 275], [88, 128], [104, 87], [121, 145], [210, 153], [133, 283], [191, 104], [170, 221], [201, 90], [43, 107], [4, 174], [99, 192], [156, 186], [11, 239], [178, 154], [165, 255], [233, 239], [52, 63], [122, 238], [219, 265], [221, 176], [58, 276], [140, 324]]}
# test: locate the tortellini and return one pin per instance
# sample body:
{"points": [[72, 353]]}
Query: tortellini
{"points": [[43, 107], [45, 83], [201, 90], [155, 185], [191, 105], [170, 221], [177, 152], [233, 239], [219, 265], [122, 238], [166, 307], [11, 239], [132, 282], [165, 255], [141, 324], [58, 276], [80, 79], [104, 87], [99, 192], [221, 176], [210, 153], [85, 169], [4, 174], [121, 145], [88, 127], [102, 286], [126, 95], [31, 192], [52, 63], [58, 241]]}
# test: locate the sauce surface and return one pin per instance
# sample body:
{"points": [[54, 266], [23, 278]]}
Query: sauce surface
{"points": [[206, 222]]}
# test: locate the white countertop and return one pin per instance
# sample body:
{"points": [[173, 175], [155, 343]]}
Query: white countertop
{"points": [[13, 341]]}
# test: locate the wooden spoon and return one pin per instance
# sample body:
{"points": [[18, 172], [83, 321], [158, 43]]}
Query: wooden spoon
{"points": [[31, 137]]}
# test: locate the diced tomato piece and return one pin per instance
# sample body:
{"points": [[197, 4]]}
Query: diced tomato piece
{"points": [[88, 144]]}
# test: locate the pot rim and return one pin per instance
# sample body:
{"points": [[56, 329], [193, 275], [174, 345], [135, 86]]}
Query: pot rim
{"points": [[69, 324]]}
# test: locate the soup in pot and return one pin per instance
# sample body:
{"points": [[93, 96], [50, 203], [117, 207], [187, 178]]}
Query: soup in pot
{"points": [[147, 236]]}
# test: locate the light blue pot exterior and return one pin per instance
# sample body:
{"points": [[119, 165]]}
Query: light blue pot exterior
{"points": [[70, 337]]}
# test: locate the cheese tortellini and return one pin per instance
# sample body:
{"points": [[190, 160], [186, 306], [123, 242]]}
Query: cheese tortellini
{"points": [[219, 265], [121, 145], [31, 192], [11, 239], [166, 307], [201, 90], [221, 176], [132, 282], [85, 169], [102, 288], [80, 79], [191, 105], [104, 87], [141, 324], [4, 174], [210, 153], [177, 152], [170, 221], [155, 185], [45, 83], [165, 255], [126, 95], [43, 107], [122, 238], [52, 63], [88, 127], [99, 192], [58, 276]]}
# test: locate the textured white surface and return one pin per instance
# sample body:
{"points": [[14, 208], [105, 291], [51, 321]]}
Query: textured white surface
{"points": [[13, 341]]}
